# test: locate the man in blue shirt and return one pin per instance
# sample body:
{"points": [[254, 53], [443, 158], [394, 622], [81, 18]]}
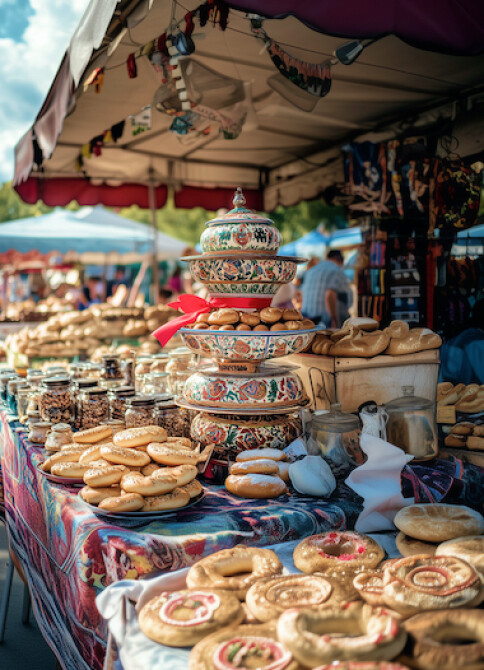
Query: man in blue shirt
{"points": [[326, 292]]}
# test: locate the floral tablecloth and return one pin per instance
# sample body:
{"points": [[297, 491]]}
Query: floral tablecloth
{"points": [[69, 554]]}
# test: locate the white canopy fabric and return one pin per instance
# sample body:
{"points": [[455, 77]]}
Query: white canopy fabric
{"points": [[284, 152], [91, 235]]}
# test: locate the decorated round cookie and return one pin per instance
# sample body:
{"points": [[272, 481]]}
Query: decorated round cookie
{"points": [[266, 600], [337, 551], [270, 387], [182, 618], [417, 583], [234, 570], [242, 648], [340, 633]]}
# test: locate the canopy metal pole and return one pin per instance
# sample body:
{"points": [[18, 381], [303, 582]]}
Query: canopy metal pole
{"points": [[151, 192]]}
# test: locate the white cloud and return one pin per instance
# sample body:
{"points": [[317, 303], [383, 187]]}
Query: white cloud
{"points": [[28, 67]]}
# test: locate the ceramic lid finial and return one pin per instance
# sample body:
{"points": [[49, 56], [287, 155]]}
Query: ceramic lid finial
{"points": [[239, 198]]}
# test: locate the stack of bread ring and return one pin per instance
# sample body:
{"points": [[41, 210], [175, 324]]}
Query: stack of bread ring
{"points": [[240, 611], [269, 318], [138, 469], [346, 605], [361, 338], [259, 473]]}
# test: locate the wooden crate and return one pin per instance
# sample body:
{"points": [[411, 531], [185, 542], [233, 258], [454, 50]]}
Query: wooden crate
{"points": [[352, 381]]}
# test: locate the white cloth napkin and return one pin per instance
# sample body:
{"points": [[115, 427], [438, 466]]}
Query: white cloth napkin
{"points": [[377, 481]]}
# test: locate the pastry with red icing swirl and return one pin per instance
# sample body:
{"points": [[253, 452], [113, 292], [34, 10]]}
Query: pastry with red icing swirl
{"points": [[418, 583], [182, 618], [336, 552], [249, 646], [341, 633]]}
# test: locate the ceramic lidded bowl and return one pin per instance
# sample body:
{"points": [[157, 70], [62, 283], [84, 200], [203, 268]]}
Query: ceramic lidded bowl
{"points": [[239, 231], [269, 387], [236, 433], [247, 345]]}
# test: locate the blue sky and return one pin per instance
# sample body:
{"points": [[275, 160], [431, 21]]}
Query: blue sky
{"points": [[34, 35]]}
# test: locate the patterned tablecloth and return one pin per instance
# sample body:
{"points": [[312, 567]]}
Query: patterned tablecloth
{"points": [[69, 554]]}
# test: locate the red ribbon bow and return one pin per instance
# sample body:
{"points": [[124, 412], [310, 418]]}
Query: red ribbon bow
{"points": [[193, 306]]}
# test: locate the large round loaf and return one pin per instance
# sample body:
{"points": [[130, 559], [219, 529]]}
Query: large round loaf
{"points": [[438, 522]]}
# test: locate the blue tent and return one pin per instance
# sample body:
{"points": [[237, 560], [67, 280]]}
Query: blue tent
{"points": [[316, 244], [90, 235]]}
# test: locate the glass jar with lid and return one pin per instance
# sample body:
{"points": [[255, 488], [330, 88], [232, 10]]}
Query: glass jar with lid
{"points": [[117, 398], [92, 407], [111, 367], [12, 387], [168, 416], [5, 377], [56, 401], [411, 424], [35, 377], [55, 371], [59, 435], [180, 360], [159, 362], [155, 383], [142, 367], [80, 385], [140, 411], [181, 377], [23, 396], [337, 436]]}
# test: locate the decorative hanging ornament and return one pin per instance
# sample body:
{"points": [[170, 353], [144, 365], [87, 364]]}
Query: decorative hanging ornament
{"points": [[313, 78]]}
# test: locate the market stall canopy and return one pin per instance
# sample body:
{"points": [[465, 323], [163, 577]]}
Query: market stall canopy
{"points": [[260, 104], [91, 235]]}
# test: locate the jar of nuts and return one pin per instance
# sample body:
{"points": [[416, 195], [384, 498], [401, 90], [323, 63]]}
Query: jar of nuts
{"points": [[140, 411], [56, 402], [117, 398], [169, 416], [92, 407]]}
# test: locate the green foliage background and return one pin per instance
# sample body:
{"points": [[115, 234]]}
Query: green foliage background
{"points": [[188, 224]]}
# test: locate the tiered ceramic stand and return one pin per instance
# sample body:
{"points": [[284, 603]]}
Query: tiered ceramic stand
{"points": [[243, 402]]}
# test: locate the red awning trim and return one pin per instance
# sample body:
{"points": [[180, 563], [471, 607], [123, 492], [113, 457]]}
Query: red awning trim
{"points": [[60, 191], [215, 198]]}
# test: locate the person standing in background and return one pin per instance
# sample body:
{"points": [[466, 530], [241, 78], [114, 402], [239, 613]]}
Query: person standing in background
{"points": [[326, 292]]}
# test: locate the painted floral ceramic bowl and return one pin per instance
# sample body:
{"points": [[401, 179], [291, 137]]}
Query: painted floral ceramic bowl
{"points": [[237, 433], [248, 274], [223, 238], [270, 387], [240, 230], [243, 345]]}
